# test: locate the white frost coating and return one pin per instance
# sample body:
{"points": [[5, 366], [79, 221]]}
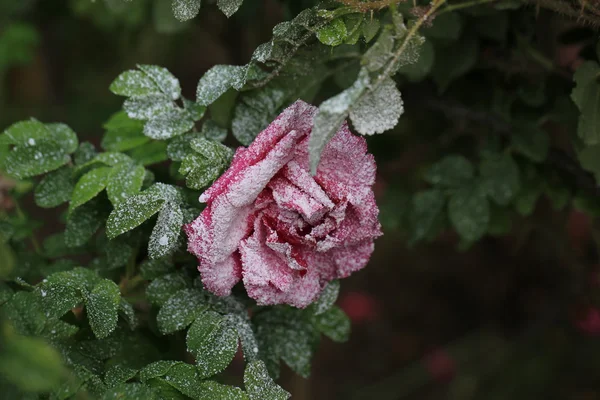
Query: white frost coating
{"points": [[218, 80], [186, 9], [163, 240], [31, 142], [166, 231], [378, 110], [229, 7], [165, 81], [147, 107]]}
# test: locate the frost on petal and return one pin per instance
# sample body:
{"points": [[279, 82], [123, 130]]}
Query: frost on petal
{"points": [[352, 258], [297, 117]]}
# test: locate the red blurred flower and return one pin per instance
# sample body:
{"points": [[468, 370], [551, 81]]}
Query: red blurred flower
{"points": [[359, 306], [589, 322], [440, 365]]}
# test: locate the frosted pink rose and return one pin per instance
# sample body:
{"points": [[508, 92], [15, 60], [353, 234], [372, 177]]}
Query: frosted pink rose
{"points": [[285, 233]]}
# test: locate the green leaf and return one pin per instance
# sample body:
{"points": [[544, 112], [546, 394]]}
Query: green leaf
{"points": [[212, 342], [123, 133], [454, 60], [62, 291], [378, 110], [161, 289], [24, 312], [89, 186], [171, 123], [154, 268], [219, 79], [37, 148], [229, 7], [500, 178], [134, 84], [210, 390], [180, 310], [469, 212], [102, 305], [31, 364], [148, 107], [426, 210], [446, 27], [328, 297], [118, 374], [451, 171], [163, 239], [125, 180], [55, 188], [83, 222], [186, 9], [150, 153], [586, 95], [259, 384], [370, 28], [166, 82], [212, 131], [130, 391], [133, 212], [84, 153], [333, 323], [531, 141], [128, 313], [334, 33], [419, 70]]}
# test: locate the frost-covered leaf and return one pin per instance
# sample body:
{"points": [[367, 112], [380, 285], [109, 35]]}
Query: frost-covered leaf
{"points": [[179, 146], [154, 268], [166, 82], [500, 177], [147, 107], [212, 342], [330, 116], [134, 84], [180, 310], [421, 68], [229, 7], [451, 171], [163, 239], [379, 54], [123, 133], [24, 311], [212, 131], [130, 391], [469, 212], [161, 289], [378, 110], [125, 180], [426, 210], [260, 385], [150, 153], [199, 172], [89, 186], [186, 9], [55, 188], [211, 390], [37, 148], [168, 124], [133, 211], [62, 291], [102, 305], [370, 28], [586, 95], [118, 374], [84, 153], [333, 323], [328, 297], [126, 309], [255, 110], [58, 329], [217, 80], [334, 33], [83, 222]]}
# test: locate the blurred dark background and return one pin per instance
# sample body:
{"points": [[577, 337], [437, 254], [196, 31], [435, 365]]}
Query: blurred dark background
{"points": [[496, 321]]}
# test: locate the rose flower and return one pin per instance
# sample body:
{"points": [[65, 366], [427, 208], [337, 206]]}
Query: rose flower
{"points": [[282, 231]]}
